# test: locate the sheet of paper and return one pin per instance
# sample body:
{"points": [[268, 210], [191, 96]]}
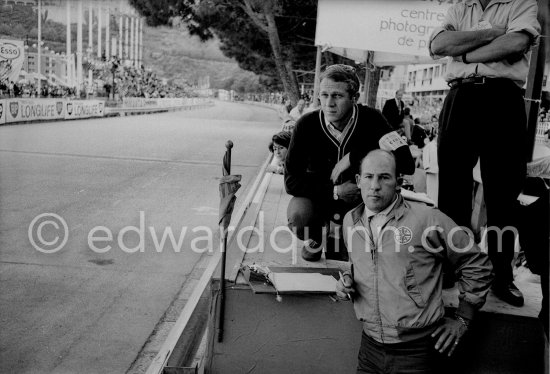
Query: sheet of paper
{"points": [[303, 282], [527, 199]]}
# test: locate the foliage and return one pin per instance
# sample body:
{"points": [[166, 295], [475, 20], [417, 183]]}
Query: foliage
{"points": [[178, 56], [239, 25]]}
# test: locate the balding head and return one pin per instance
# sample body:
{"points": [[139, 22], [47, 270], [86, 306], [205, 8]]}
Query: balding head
{"points": [[377, 179]]}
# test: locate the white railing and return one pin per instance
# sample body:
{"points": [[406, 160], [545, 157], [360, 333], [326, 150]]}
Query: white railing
{"points": [[542, 127]]}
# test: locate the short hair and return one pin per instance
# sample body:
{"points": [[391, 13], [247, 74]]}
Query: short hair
{"points": [[343, 73], [281, 138], [382, 152]]}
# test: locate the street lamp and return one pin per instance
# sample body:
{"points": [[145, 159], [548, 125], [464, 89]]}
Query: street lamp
{"points": [[27, 56], [50, 63], [114, 67]]}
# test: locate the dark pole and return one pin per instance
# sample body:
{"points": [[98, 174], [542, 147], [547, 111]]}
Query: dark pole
{"points": [[114, 66], [114, 87], [533, 90], [226, 169]]}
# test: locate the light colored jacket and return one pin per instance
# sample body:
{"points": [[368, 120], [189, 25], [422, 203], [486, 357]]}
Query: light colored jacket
{"points": [[398, 281]]}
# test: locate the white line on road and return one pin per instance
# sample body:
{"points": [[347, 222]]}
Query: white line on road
{"points": [[141, 159]]}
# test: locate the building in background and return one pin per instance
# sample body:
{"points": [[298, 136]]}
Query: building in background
{"points": [[112, 27], [425, 86]]}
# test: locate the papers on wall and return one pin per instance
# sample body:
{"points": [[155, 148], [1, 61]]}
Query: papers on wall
{"points": [[303, 282]]}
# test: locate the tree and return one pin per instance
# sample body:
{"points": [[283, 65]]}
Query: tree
{"points": [[268, 37]]}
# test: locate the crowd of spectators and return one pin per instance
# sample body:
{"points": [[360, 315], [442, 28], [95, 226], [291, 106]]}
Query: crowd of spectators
{"points": [[426, 109], [132, 81], [26, 89], [109, 77]]}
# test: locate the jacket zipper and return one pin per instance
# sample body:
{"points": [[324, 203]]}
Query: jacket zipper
{"points": [[373, 249], [374, 255]]}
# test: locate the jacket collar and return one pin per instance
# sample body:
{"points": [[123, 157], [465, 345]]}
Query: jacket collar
{"points": [[397, 211], [352, 123]]}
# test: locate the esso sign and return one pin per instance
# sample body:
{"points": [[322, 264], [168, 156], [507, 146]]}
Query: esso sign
{"points": [[9, 51]]}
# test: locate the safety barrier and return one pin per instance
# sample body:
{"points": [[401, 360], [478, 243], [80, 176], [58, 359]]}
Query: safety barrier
{"points": [[33, 109]]}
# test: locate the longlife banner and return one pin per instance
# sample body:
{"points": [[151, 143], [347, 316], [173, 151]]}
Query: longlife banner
{"points": [[392, 26], [84, 108], [12, 55], [20, 110], [23, 110]]}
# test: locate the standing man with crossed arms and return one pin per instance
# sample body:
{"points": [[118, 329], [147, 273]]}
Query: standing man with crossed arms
{"points": [[484, 117]]}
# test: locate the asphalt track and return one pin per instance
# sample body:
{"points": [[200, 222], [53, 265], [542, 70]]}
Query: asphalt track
{"points": [[120, 185]]}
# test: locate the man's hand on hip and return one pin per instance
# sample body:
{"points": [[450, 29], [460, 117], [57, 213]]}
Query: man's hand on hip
{"points": [[449, 334]]}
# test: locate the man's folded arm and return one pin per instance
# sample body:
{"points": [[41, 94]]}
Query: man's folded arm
{"points": [[504, 47], [456, 43]]}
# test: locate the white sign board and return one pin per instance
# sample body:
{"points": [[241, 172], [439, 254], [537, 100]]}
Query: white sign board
{"points": [[19, 110], [12, 55], [84, 109], [391, 26]]}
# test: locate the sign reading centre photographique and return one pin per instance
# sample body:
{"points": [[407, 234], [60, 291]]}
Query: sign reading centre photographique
{"points": [[392, 26]]}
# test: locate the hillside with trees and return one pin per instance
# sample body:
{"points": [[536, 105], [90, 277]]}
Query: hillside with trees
{"points": [[172, 52], [272, 38], [269, 37]]}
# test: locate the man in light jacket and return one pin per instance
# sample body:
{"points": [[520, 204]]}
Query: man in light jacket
{"points": [[397, 249]]}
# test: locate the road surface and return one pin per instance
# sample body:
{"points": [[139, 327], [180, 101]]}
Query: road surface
{"points": [[120, 186]]}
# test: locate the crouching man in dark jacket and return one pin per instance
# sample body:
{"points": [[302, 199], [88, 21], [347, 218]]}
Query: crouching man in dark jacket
{"points": [[326, 144]]}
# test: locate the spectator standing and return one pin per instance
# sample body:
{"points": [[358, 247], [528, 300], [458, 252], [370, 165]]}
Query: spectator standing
{"points": [[407, 123], [394, 110], [284, 111], [483, 117], [298, 110]]}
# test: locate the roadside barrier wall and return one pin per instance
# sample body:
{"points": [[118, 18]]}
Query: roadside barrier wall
{"points": [[140, 102], [28, 109]]}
